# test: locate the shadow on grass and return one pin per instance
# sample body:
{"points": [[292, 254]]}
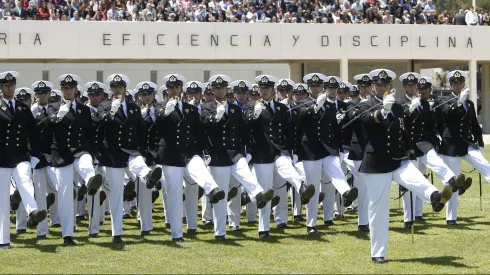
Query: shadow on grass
{"points": [[438, 260]]}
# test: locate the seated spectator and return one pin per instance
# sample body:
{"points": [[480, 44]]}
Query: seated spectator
{"points": [[75, 17]]}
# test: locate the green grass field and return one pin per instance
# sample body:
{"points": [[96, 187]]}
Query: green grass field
{"points": [[464, 248]]}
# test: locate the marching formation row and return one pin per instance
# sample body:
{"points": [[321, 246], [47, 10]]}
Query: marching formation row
{"points": [[234, 144]]}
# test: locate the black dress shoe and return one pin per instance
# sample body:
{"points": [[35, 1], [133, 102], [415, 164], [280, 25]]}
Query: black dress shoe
{"points": [[275, 201], [152, 177], [35, 217], [216, 195], [117, 239], [158, 185], [14, 206], [419, 218], [92, 235], [251, 222], [56, 225], [145, 233], [246, 198], [466, 185], [15, 197], [81, 218], [282, 225], [220, 238], [102, 197], [349, 196], [363, 228], [234, 228], [306, 192], [200, 193], [21, 231], [94, 183], [407, 225], [437, 201], [328, 223], [379, 260], [167, 225], [452, 222], [126, 216], [184, 220], [183, 197], [129, 187], [262, 198], [232, 193], [321, 197], [299, 218], [264, 235], [192, 231], [208, 223], [82, 191], [154, 195], [5, 246], [178, 240], [50, 200], [311, 231], [69, 241], [42, 237]]}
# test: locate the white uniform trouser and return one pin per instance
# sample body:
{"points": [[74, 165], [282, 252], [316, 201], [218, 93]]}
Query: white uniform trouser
{"points": [[22, 177], [265, 174], [417, 202], [63, 177], [362, 197], [313, 171], [280, 190], [137, 170], [328, 202], [115, 178], [234, 205], [95, 213], [173, 197], [296, 201], [476, 159], [21, 217], [40, 192], [53, 210], [127, 204], [197, 171], [191, 192], [379, 200], [251, 206], [79, 205]]}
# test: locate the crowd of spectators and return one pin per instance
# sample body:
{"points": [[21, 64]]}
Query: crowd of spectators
{"points": [[243, 11]]}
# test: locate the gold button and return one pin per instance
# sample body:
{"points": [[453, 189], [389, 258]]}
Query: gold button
{"points": [[7, 144], [388, 144], [17, 138], [224, 144], [69, 127], [178, 130], [119, 144], [388, 136], [17, 145], [68, 140], [177, 143], [279, 124], [224, 132], [177, 136], [119, 139], [129, 139], [7, 137], [119, 132]]}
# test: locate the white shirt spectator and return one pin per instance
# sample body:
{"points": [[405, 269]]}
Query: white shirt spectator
{"points": [[357, 6], [430, 7], [472, 18], [112, 14]]}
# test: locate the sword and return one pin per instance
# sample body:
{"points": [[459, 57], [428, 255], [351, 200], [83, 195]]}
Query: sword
{"points": [[481, 205], [411, 214], [443, 103]]}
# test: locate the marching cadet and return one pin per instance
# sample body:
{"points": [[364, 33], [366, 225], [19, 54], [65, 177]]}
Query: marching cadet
{"points": [[356, 153], [253, 94], [272, 146], [321, 143], [39, 110], [386, 159], [124, 145], [23, 95], [422, 135], [17, 131], [96, 207], [208, 94], [461, 136], [227, 135], [73, 137], [192, 191], [181, 143]]}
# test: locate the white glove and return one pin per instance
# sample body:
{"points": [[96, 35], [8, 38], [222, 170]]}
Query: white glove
{"points": [[220, 111], [340, 117], [115, 106], [34, 162], [64, 109], [481, 149], [388, 102], [143, 111], [285, 101], [295, 158], [258, 109], [463, 96], [34, 110], [170, 107], [207, 159], [192, 102], [431, 103], [320, 100], [415, 103], [248, 157]]}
